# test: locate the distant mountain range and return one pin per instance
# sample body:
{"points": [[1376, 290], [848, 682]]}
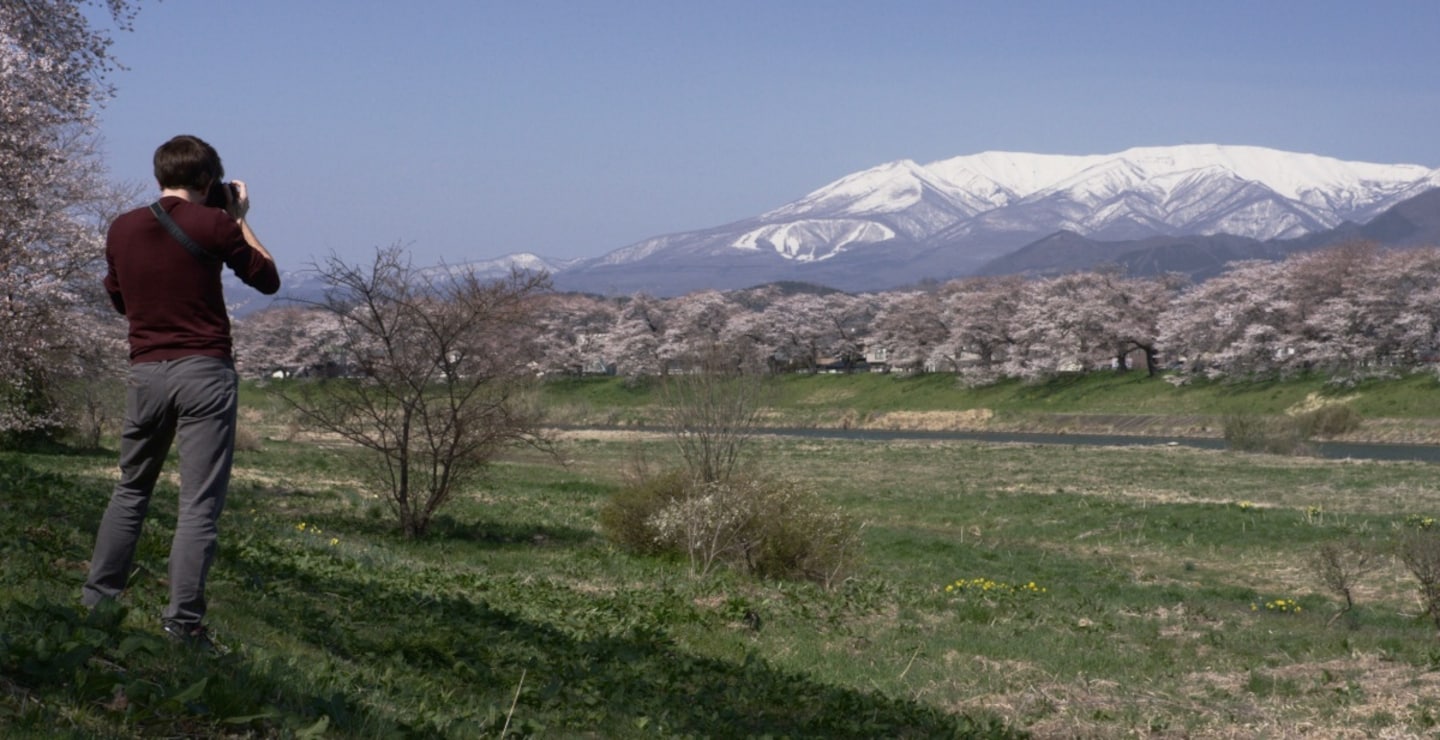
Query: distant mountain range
{"points": [[1186, 208], [903, 222]]}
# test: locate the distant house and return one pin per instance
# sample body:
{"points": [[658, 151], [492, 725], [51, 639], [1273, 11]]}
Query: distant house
{"points": [[597, 366], [878, 359]]}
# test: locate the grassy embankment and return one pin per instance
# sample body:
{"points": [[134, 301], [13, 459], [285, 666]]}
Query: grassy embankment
{"points": [[1406, 410], [1166, 586]]}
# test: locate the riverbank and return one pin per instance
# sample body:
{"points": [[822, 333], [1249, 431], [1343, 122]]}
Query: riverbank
{"points": [[1399, 411]]}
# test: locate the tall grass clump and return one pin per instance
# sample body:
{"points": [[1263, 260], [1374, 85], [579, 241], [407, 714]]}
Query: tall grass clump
{"points": [[1331, 420], [625, 517]]}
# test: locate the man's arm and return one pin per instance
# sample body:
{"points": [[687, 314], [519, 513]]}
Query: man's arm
{"points": [[253, 240], [239, 209], [112, 281], [264, 277]]}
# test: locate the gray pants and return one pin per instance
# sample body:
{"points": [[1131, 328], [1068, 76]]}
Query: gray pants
{"points": [[196, 397]]}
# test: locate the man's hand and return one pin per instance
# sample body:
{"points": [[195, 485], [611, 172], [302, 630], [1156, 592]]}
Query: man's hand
{"points": [[238, 208], [241, 204]]}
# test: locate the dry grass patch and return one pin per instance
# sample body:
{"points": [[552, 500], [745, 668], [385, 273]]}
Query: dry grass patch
{"points": [[932, 421], [1315, 402], [828, 396], [1359, 697]]}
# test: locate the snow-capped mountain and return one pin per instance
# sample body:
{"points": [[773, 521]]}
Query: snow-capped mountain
{"points": [[503, 266], [902, 221]]}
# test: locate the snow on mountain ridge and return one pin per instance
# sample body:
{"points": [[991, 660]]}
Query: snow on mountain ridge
{"points": [[1290, 174], [1019, 173], [797, 240], [885, 188], [1287, 173]]}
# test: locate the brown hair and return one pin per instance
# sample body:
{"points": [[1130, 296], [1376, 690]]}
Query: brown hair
{"points": [[187, 162]]}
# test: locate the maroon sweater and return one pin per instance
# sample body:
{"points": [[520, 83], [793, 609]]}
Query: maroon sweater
{"points": [[174, 302]]}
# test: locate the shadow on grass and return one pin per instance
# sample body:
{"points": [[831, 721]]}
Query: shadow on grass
{"points": [[609, 678], [506, 533], [74, 672], [44, 508]]}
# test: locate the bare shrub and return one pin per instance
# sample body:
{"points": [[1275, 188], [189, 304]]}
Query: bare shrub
{"points": [[1275, 435], [769, 528], [93, 408], [719, 516], [712, 414], [1340, 566], [435, 369], [1420, 551], [714, 522]]}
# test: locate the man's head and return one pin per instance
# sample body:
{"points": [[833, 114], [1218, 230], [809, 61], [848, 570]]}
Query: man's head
{"points": [[187, 162]]}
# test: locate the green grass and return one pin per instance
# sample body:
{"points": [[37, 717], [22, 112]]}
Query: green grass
{"points": [[1156, 564]]}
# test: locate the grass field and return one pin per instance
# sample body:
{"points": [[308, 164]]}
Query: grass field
{"points": [[1057, 591]]}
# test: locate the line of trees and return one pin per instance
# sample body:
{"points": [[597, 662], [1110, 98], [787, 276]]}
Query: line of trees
{"points": [[1349, 311]]}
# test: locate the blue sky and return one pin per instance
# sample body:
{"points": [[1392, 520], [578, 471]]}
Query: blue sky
{"points": [[472, 129]]}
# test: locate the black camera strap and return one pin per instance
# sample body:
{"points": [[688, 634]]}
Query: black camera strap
{"points": [[180, 235]]}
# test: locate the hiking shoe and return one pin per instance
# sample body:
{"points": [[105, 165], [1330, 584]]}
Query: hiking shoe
{"points": [[195, 636]]}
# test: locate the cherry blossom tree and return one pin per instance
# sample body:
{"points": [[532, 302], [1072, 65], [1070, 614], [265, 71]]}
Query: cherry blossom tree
{"points": [[798, 330], [849, 319], [575, 328], [1236, 325], [1348, 311], [694, 331], [636, 343], [1057, 328], [908, 327], [53, 203], [1361, 310], [1127, 313], [749, 339], [292, 340], [981, 316], [1414, 276]]}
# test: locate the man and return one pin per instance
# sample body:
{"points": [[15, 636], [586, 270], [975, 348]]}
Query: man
{"points": [[182, 373]]}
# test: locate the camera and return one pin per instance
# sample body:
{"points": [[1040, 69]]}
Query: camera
{"points": [[222, 194]]}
